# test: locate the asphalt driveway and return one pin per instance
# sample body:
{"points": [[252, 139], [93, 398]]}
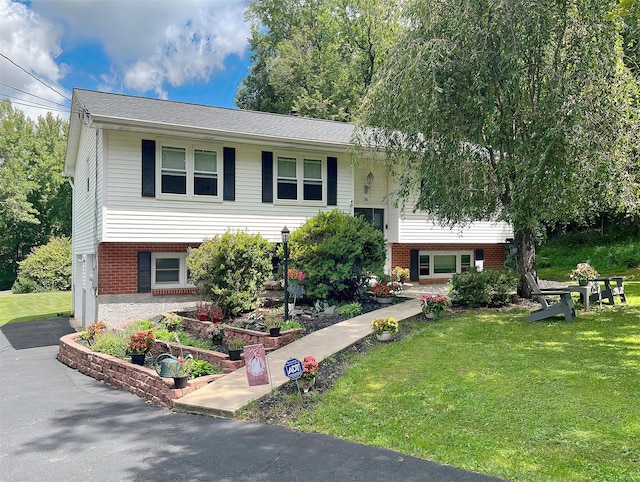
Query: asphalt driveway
{"points": [[59, 425]]}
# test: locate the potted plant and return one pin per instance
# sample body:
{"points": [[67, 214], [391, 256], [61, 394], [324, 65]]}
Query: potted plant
{"points": [[139, 345], [217, 315], [181, 370], [203, 310], [234, 345], [400, 274], [273, 323], [582, 273], [384, 328], [309, 373], [433, 305], [295, 276], [386, 291]]}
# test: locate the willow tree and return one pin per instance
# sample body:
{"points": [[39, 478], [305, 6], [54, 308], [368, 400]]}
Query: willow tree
{"points": [[515, 110]]}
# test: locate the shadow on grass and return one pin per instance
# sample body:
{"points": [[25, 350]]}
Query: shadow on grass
{"points": [[38, 333]]}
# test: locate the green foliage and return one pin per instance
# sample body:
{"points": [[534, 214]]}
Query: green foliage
{"points": [[486, 288], [112, 343], [35, 199], [535, 131], [232, 269], [337, 252], [291, 325], [200, 368], [182, 338], [317, 58], [350, 309], [173, 322], [47, 268]]}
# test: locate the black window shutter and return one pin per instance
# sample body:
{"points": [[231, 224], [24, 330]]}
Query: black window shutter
{"points": [[229, 171], [332, 181], [267, 177], [144, 271], [414, 258], [148, 168], [479, 254]]}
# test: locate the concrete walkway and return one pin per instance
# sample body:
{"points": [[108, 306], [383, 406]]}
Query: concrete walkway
{"points": [[224, 397]]}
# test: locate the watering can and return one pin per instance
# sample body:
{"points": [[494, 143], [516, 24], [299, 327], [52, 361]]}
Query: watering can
{"points": [[164, 364]]}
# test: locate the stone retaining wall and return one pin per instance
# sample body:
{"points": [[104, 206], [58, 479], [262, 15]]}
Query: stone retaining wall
{"points": [[141, 381]]}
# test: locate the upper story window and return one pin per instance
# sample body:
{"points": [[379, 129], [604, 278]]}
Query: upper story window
{"points": [[300, 179], [189, 171]]}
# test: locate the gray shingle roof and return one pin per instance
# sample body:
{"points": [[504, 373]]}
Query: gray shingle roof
{"points": [[130, 109]]}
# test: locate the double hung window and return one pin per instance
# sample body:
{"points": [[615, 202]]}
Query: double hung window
{"points": [[189, 171], [169, 270], [300, 179]]}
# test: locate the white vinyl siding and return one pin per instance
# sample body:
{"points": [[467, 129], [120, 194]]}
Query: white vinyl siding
{"points": [[129, 217]]}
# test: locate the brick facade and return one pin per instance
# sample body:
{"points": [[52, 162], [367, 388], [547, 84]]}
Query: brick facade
{"points": [[118, 266], [401, 254]]}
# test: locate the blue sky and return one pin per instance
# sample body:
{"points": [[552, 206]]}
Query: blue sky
{"points": [[187, 50]]}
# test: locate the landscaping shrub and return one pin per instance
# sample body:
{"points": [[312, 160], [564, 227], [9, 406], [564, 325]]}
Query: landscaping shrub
{"points": [[337, 252], [200, 368], [486, 288], [351, 309], [232, 269], [112, 343], [46, 268]]}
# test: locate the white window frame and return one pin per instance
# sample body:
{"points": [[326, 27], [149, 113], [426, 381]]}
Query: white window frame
{"points": [[190, 170], [431, 254], [183, 281], [300, 179]]}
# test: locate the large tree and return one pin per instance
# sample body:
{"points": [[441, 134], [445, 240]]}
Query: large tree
{"points": [[316, 57], [35, 199], [518, 110]]}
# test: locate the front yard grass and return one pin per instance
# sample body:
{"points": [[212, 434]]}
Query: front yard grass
{"points": [[33, 306], [489, 392]]}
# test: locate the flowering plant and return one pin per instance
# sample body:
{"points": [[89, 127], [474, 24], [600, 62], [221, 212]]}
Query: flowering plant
{"points": [[141, 342], [380, 325], [386, 289], [216, 313], [202, 309], [182, 368], [255, 316], [273, 320], [294, 273], [434, 303], [583, 272], [400, 273], [309, 368]]}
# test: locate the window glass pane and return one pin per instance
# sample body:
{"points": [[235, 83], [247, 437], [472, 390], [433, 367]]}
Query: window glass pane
{"points": [[312, 191], [205, 186], [167, 270], [287, 190], [444, 263], [174, 158], [174, 184], [167, 276], [205, 161], [465, 262], [312, 169], [378, 219], [424, 265], [366, 213], [286, 167], [167, 263]]}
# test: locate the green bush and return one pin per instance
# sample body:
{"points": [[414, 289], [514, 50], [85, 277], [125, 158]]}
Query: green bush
{"points": [[291, 325], [46, 268], [232, 269], [200, 368], [337, 252], [112, 343], [351, 309], [486, 288]]}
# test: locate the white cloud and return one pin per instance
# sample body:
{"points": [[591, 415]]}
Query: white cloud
{"points": [[152, 43], [33, 44]]}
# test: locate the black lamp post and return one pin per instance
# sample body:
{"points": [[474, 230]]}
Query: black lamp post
{"points": [[285, 242]]}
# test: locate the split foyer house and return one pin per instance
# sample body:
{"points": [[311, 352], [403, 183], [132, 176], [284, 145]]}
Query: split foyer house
{"points": [[152, 178]]}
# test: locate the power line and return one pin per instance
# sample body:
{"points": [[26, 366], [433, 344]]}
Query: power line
{"points": [[39, 80], [37, 106], [33, 95]]}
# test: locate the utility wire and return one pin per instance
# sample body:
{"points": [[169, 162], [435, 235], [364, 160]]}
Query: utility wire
{"points": [[38, 106], [33, 95], [39, 80]]}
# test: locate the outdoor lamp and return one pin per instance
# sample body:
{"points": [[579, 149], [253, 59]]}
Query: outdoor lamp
{"points": [[285, 243], [367, 188]]}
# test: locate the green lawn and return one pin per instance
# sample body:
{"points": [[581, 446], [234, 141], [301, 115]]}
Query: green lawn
{"points": [[490, 392], [33, 306]]}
